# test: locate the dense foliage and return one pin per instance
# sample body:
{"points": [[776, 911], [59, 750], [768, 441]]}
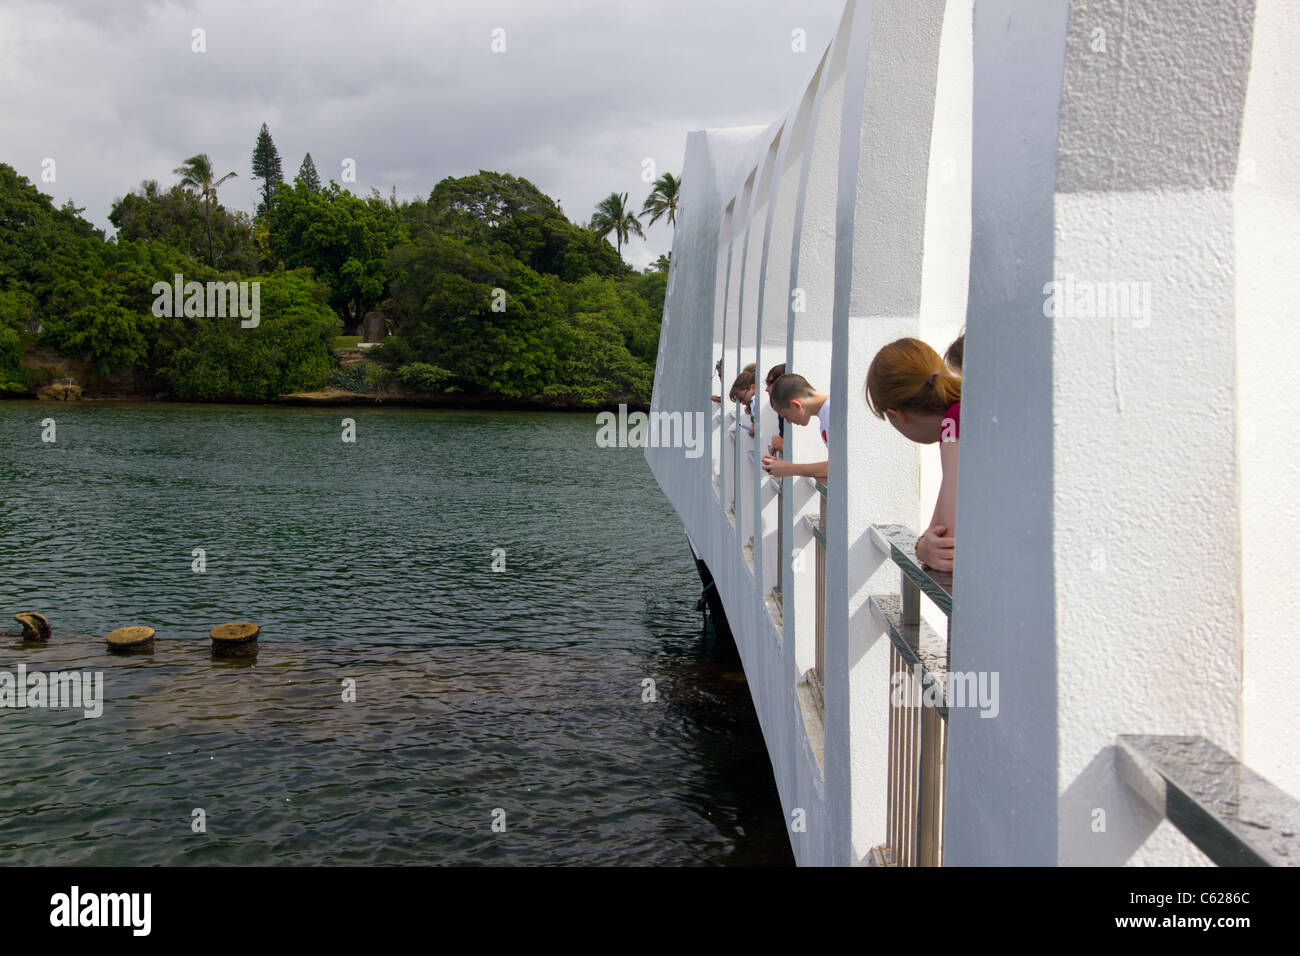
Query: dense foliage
{"points": [[288, 351], [486, 285], [175, 218]]}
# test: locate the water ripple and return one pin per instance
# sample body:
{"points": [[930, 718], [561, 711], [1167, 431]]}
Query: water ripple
{"points": [[368, 563]]}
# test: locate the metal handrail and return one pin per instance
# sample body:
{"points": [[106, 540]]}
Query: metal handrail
{"points": [[1232, 814], [813, 525], [918, 729], [899, 545]]}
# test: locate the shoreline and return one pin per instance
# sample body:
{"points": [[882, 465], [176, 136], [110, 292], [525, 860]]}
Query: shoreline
{"points": [[336, 398], [62, 378]]}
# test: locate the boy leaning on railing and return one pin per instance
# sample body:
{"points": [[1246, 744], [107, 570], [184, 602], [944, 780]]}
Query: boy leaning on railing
{"points": [[794, 399], [777, 442]]}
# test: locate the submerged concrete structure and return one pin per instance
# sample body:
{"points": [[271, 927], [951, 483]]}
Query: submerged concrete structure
{"points": [[1106, 195]]}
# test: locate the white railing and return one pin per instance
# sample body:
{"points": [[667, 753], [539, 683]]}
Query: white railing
{"points": [[918, 711], [816, 676]]}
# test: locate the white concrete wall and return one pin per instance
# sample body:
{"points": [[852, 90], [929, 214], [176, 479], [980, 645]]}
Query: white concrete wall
{"points": [[880, 231], [808, 331], [800, 220], [1267, 210], [945, 270], [1098, 464], [1128, 494]]}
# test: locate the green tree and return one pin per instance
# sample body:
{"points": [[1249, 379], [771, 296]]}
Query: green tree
{"points": [[307, 173], [423, 377], [13, 378], [97, 301], [343, 238], [85, 313], [623, 305], [490, 287], [452, 316], [266, 164], [288, 351], [197, 174], [595, 366], [57, 272], [510, 214], [651, 288], [31, 228], [490, 200], [15, 315], [176, 217], [608, 345], [613, 215], [662, 201]]}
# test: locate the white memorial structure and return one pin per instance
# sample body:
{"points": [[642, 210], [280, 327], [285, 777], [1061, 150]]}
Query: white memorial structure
{"points": [[1106, 196]]}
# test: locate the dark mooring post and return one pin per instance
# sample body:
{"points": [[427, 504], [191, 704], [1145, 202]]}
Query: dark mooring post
{"points": [[234, 640], [131, 640], [35, 627]]}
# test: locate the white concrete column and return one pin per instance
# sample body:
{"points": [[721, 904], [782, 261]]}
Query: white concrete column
{"points": [[945, 273], [1001, 794], [883, 175], [738, 212], [773, 312], [760, 182], [809, 300], [1097, 560], [721, 264], [1267, 213]]}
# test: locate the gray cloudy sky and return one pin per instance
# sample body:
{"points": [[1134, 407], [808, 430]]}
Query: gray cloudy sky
{"points": [[410, 89]]}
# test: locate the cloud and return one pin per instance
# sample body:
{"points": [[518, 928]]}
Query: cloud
{"points": [[412, 91]]}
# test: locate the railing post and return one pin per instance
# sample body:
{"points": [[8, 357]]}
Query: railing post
{"points": [[780, 545], [918, 724], [929, 821], [911, 601], [820, 665], [894, 782]]}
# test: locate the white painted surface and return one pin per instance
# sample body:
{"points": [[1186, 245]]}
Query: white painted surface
{"points": [[1267, 205], [1128, 493], [883, 176]]}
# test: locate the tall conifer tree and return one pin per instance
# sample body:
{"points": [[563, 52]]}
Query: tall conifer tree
{"points": [[307, 173], [266, 164]]}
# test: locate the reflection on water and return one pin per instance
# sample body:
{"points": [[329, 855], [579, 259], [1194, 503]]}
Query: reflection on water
{"points": [[474, 690]]}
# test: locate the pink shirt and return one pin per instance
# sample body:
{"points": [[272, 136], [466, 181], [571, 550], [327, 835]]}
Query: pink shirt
{"points": [[951, 432]]}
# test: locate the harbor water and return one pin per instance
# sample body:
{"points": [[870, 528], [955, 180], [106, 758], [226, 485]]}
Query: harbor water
{"points": [[479, 645]]}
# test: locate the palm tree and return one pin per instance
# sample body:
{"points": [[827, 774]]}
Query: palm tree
{"points": [[612, 215], [197, 174], [662, 200]]}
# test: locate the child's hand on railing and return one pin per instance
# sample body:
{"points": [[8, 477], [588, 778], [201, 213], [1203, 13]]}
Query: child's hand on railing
{"points": [[778, 468], [935, 548], [775, 445]]}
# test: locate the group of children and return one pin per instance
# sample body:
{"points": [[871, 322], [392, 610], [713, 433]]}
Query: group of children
{"points": [[910, 386]]}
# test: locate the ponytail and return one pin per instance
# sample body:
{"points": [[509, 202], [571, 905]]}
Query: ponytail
{"points": [[910, 376]]}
